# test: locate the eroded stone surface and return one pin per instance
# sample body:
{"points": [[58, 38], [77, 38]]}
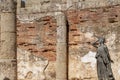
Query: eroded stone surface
{"points": [[30, 67], [89, 58], [7, 69]]}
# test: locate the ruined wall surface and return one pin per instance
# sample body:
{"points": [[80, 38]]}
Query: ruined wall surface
{"points": [[36, 37], [102, 22], [34, 6]]}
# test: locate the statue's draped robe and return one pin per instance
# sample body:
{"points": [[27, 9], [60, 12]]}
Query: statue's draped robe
{"points": [[104, 63]]}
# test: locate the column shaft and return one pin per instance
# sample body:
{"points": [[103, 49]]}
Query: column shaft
{"points": [[61, 62], [8, 60]]}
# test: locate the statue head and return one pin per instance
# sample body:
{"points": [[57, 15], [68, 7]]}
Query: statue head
{"points": [[101, 40]]}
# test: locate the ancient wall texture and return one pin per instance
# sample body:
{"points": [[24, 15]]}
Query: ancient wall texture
{"points": [[36, 37]]}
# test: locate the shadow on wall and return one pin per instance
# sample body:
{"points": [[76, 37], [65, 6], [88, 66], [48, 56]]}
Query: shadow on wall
{"points": [[6, 78], [23, 2], [75, 79]]}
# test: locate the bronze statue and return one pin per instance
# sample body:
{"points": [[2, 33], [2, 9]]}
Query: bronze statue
{"points": [[104, 70]]}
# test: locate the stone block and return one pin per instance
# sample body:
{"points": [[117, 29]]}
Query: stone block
{"points": [[8, 22], [8, 69]]}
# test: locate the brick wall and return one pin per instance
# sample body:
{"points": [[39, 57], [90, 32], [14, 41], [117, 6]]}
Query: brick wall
{"points": [[38, 37], [36, 33]]}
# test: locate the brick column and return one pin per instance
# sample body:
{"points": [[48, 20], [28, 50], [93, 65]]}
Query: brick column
{"points": [[61, 62], [8, 41]]}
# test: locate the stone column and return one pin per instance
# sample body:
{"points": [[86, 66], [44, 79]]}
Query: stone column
{"points": [[8, 41], [61, 62]]}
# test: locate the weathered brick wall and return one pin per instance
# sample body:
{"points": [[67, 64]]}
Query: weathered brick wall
{"points": [[36, 36], [99, 21], [84, 25], [36, 42]]}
